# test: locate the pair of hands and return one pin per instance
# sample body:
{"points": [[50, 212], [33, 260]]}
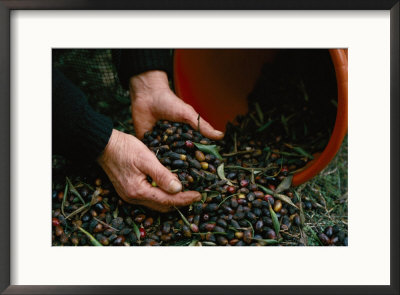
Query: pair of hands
{"points": [[127, 161]]}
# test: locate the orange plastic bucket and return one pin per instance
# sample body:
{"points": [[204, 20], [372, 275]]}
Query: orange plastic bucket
{"points": [[212, 80]]}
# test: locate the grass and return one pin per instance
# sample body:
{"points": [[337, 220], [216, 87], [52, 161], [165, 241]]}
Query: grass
{"points": [[328, 191]]}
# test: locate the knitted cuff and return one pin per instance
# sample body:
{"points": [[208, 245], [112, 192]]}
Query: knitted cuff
{"points": [[131, 62]]}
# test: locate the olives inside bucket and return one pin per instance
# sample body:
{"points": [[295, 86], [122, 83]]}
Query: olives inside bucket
{"points": [[220, 84]]}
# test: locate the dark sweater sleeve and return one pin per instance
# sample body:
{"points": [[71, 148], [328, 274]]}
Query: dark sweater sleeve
{"points": [[131, 62], [79, 133]]}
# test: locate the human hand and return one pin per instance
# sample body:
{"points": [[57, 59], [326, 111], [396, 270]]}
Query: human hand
{"points": [[127, 162], [152, 100]]}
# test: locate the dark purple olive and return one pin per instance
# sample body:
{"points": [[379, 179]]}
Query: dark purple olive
{"points": [[334, 240], [119, 241], [99, 207], [259, 226], [186, 231], [329, 231], [221, 240], [251, 197], [166, 227], [270, 234], [324, 239], [178, 164], [222, 223], [247, 236], [257, 203], [212, 207]]}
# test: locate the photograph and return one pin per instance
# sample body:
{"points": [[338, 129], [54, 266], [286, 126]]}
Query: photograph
{"points": [[199, 147]]}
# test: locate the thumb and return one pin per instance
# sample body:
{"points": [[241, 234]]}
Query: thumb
{"points": [[165, 180]]}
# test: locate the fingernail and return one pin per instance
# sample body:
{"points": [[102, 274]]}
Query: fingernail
{"points": [[174, 186], [219, 133]]}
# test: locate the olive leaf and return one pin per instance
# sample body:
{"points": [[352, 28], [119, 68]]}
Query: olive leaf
{"points": [[303, 152], [275, 220], [64, 198], [207, 243], [267, 241], [265, 190], [285, 199], [74, 191], [302, 218], [265, 126], [285, 184], [203, 197], [193, 243], [91, 238], [183, 217], [136, 230], [115, 213], [210, 149], [251, 226], [221, 173]]}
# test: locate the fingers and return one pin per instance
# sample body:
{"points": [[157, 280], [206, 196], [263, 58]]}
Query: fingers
{"points": [[142, 122], [164, 199], [150, 165], [206, 129], [158, 200], [192, 118], [183, 112]]}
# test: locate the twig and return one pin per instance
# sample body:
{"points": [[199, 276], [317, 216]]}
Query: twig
{"points": [[105, 224], [64, 197], [237, 153], [78, 210]]}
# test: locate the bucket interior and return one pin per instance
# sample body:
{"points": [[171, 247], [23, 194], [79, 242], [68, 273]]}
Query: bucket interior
{"points": [[221, 83]]}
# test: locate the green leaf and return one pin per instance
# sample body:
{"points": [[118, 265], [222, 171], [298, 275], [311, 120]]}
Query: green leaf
{"points": [[207, 243], [221, 173], [302, 218], [303, 152], [265, 190], [251, 226], [285, 199], [183, 217], [193, 243], [73, 190], [64, 197], [267, 241], [227, 198], [136, 230], [115, 213], [91, 238], [275, 220], [203, 197], [265, 126], [284, 185], [210, 149]]}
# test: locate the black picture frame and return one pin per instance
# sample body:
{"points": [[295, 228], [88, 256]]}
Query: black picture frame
{"points": [[9, 5]]}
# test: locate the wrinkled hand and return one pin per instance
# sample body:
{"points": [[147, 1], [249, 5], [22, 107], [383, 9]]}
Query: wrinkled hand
{"points": [[153, 100], [127, 162]]}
